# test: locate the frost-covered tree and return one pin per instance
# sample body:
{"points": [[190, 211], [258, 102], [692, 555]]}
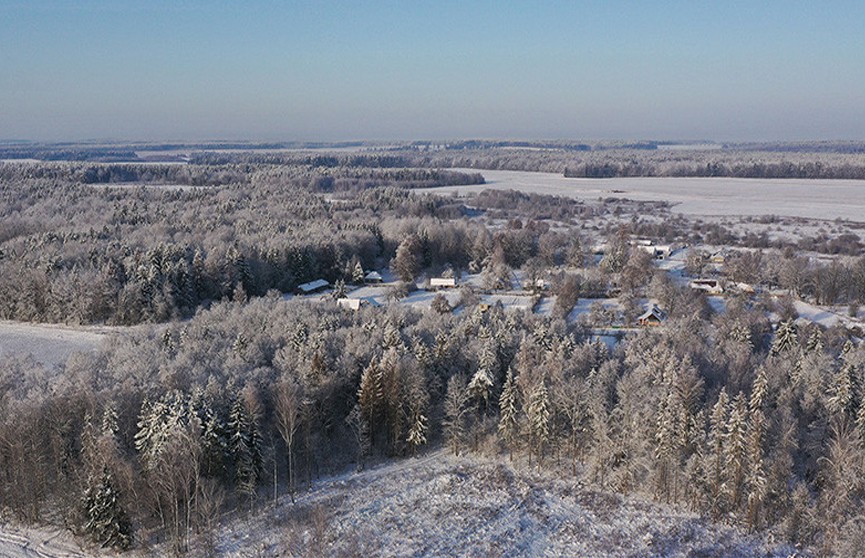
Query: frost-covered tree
{"points": [[454, 410], [736, 451], [715, 468], [357, 274], [480, 387], [756, 479], [785, 337], [107, 522], [537, 411], [407, 262], [245, 447], [509, 424], [288, 401]]}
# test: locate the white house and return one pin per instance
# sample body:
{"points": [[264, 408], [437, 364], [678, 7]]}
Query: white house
{"points": [[442, 282]]}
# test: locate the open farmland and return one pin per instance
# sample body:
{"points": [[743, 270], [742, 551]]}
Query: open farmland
{"points": [[815, 199], [47, 344]]}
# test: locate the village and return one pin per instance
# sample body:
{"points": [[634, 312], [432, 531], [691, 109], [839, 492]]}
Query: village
{"points": [[601, 314]]}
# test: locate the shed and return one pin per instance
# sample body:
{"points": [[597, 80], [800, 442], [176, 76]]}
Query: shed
{"points": [[442, 282], [349, 303], [312, 287], [711, 286], [652, 317]]}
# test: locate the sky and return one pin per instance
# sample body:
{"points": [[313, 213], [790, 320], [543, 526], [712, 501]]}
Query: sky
{"points": [[324, 70]]}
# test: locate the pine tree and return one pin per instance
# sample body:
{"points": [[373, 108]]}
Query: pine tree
{"points": [[481, 385], [244, 448], [841, 397], [214, 445], [418, 427], [107, 522], [815, 342], [455, 408], [736, 450], [785, 337], [370, 398], [509, 425], [715, 454], [538, 419], [860, 420], [357, 274], [756, 479], [416, 400]]}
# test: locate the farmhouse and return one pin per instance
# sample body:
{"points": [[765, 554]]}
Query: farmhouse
{"points": [[719, 257], [711, 286], [658, 252], [356, 303], [652, 317], [373, 277], [442, 282], [349, 303], [312, 287]]}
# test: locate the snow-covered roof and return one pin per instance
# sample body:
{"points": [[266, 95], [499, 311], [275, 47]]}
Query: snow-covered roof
{"points": [[442, 282], [313, 286], [373, 276], [653, 312]]}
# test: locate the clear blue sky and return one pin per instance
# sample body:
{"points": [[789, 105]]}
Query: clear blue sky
{"points": [[414, 69]]}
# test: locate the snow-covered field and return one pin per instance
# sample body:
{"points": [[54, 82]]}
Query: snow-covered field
{"points": [[816, 199], [440, 505], [49, 344], [29, 542]]}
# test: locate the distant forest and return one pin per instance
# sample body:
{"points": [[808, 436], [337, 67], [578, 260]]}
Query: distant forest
{"points": [[805, 160]]}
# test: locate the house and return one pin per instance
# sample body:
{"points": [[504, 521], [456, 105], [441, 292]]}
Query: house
{"points": [[540, 284], [659, 252], [356, 304], [746, 288], [442, 282], [312, 287], [663, 251], [652, 317], [373, 277], [719, 257], [349, 303], [711, 286]]}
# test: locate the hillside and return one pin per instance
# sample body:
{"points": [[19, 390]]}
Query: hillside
{"points": [[440, 505]]}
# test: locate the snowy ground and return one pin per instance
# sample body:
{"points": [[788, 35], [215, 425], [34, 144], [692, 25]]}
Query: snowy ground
{"points": [[439, 505], [49, 344], [26, 542], [817, 199]]}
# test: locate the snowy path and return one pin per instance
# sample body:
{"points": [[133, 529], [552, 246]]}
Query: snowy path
{"points": [[38, 543]]}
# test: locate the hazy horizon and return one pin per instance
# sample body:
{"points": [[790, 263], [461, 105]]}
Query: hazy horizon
{"points": [[391, 71]]}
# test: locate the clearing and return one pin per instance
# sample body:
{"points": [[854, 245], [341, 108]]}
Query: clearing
{"points": [[49, 344], [815, 199]]}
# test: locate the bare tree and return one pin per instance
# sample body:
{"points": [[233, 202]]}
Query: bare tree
{"points": [[289, 405]]}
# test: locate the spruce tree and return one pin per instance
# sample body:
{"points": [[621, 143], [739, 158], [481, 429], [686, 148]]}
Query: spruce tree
{"points": [[715, 453], [785, 337], [509, 425], [538, 419], [736, 450], [455, 408], [107, 522]]}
